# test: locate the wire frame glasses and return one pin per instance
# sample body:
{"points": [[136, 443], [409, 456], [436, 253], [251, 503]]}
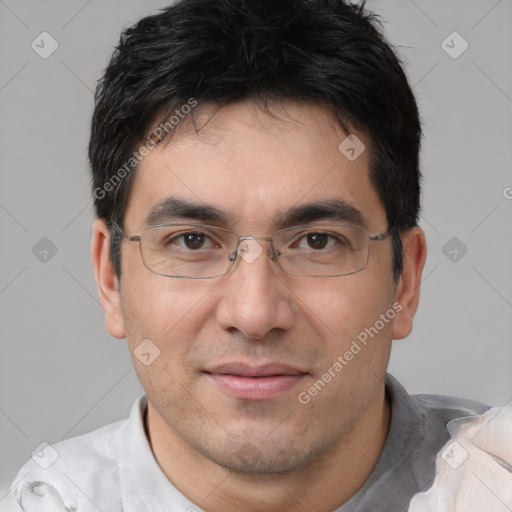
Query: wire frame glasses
{"points": [[202, 251]]}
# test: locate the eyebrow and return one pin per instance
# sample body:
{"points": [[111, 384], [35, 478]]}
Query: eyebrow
{"points": [[330, 210], [172, 208]]}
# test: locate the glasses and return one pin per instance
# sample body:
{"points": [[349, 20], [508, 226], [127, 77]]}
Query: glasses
{"points": [[200, 251]]}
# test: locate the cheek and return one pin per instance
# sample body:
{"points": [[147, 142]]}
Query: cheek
{"points": [[168, 312], [355, 342], [155, 305], [341, 311]]}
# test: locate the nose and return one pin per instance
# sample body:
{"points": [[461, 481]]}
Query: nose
{"points": [[254, 298]]}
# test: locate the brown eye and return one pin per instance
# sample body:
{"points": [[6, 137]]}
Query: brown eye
{"points": [[194, 241], [317, 240], [189, 241]]}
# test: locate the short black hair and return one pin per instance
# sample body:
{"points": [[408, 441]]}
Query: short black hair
{"points": [[327, 52]]}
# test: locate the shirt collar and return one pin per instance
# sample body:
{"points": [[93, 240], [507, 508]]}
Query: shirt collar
{"points": [[406, 456], [144, 486]]}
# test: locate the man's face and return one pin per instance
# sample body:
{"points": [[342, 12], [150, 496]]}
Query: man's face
{"points": [[254, 168]]}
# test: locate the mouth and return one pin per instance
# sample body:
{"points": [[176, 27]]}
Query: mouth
{"points": [[246, 382]]}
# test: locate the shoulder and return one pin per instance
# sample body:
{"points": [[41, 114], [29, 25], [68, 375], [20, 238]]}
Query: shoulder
{"points": [[80, 473], [70, 472], [474, 468], [419, 429], [431, 409], [447, 408]]}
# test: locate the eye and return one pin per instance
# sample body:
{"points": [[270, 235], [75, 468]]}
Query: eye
{"points": [[317, 241], [193, 241]]}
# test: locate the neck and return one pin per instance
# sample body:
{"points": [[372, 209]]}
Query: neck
{"points": [[322, 486]]}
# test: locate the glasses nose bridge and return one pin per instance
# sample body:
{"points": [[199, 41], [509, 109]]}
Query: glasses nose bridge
{"points": [[241, 239]]}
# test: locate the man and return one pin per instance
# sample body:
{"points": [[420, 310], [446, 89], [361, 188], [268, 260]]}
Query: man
{"points": [[256, 182]]}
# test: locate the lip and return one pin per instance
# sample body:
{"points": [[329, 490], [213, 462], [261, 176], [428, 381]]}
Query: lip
{"points": [[247, 382]]}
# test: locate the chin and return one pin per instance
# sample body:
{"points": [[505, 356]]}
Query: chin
{"points": [[262, 457]]}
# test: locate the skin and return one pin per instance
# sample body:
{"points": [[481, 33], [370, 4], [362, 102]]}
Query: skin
{"points": [[228, 454]]}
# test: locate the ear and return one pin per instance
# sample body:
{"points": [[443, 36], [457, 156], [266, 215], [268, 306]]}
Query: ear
{"points": [[408, 287], [106, 279]]}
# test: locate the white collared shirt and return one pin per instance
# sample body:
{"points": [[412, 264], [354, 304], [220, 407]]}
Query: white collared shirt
{"points": [[113, 469]]}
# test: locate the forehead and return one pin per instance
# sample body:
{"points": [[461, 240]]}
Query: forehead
{"points": [[253, 166]]}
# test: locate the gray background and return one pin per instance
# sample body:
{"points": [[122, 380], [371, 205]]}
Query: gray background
{"points": [[60, 372]]}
